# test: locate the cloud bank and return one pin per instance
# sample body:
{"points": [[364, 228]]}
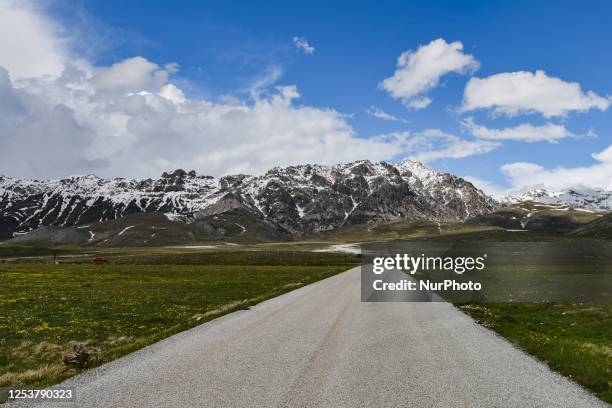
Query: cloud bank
{"points": [[131, 118], [128, 119], [114, 123]]}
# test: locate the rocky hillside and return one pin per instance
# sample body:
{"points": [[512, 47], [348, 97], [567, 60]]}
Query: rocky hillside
{"points": [[287, 202]]}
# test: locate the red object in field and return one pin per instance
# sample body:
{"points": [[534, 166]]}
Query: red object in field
{"points": [[99, 260]]}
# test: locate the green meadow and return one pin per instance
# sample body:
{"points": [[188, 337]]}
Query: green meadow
{"points": [[116, 308]]}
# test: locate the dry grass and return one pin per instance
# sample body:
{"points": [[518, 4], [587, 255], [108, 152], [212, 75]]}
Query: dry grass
{"points": [[32, 375]]}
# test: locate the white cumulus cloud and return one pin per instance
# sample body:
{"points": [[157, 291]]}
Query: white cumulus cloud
{"points": [[525, 132], [130, 75], [514, 93], [419, 71]]}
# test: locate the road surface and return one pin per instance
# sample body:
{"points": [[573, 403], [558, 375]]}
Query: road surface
{"points": [[320, 346]]}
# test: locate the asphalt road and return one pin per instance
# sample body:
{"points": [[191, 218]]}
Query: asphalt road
{"points": [[320, 346]]}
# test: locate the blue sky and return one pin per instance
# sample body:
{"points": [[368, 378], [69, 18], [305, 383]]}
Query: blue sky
{"points": [[243, 50]]}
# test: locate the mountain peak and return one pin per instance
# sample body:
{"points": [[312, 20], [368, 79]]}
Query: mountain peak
{"points": [[179, 173]]}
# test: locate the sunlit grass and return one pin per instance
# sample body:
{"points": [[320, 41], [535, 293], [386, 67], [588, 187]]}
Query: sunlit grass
{"points": [[116, 308]]}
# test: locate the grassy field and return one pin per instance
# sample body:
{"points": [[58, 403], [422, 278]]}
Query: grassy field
{"points": [[119, 307], [394, 231], [574, 339]]}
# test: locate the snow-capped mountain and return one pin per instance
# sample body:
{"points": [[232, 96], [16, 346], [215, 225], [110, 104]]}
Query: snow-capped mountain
{"points": [[580, 197], [296, 199]]}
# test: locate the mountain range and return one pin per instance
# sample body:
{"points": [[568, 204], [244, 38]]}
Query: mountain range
{"points": [[283, 203]]}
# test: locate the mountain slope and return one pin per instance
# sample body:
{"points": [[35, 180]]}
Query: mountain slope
{"points": [[533, 216], [294, 201], [600, 228]]}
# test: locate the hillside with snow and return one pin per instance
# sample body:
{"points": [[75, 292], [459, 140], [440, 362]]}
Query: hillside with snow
{"points": [[580, 197]]}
